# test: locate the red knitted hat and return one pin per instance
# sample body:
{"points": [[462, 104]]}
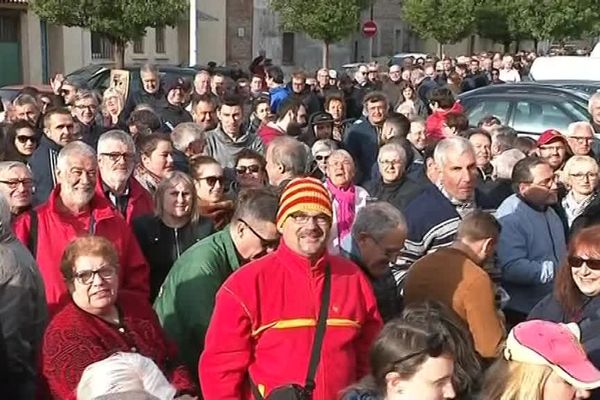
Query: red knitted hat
{"points": [[303, 194]]}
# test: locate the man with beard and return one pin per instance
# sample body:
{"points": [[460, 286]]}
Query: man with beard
{"points": [[75, 209], [187, 297], [172, 111], [286, 120], [530, 253], [85, 111], [553, 148], [116, 160], [303, 93], [266, 313], [204, 112], [362, 139]]}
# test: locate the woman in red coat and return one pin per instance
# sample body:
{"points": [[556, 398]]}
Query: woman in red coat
{"points": [[100, 321]]}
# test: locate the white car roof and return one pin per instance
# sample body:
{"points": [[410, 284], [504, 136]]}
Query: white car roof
{"points": [[560, 68]]}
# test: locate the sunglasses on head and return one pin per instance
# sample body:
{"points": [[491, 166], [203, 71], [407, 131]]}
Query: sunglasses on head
{"points": [[434, 347], [24, 139], [577, 262], [249, 169], [212, 180]]}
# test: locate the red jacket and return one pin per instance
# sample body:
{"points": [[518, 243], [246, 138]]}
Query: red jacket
{"points": [[140, 202], [56, 229], [436, 120], [264, 323], [268, 133], [75, 339]]}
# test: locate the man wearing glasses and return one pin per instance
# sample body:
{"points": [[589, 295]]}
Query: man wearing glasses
{"points": [[85, 111], [116, 160], [580, 136], [16, 184], [532, 240], [265, 314], [186, 299], [553, 148]]}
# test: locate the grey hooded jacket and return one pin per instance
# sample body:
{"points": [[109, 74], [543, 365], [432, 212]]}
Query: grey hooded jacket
{"points": [[221, 147], [23, 309]]}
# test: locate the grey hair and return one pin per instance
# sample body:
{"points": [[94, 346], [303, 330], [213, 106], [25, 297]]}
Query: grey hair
{"points": [[116, 135], [5, 220], [377, 219], [341, 152], [323, 145], [8, 165], [595, 98], [503, 142], [456, 145], [504, 130], [291, 154], [185, 134], [260, 204], [124, 373], [148, 67], [505, 162], [73, 148], [574, 126], [393, 147], [83, 94]]}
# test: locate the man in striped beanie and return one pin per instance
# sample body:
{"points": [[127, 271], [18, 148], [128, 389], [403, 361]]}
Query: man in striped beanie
{"points": [[266, 312]]}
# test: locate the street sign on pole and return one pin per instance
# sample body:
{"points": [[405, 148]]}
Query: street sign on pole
{"points": [[369, 29]]}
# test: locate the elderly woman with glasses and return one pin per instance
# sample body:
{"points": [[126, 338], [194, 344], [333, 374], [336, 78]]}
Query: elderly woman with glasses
{"points": [[580, 177], [99, 321], [347, 197], [175, 226], [209, 180]]}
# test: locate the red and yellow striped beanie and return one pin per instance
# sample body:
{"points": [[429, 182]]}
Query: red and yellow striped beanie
{"points": [[303, 194]]}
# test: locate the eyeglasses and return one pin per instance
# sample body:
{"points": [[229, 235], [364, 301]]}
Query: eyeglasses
{"points": [[116, 156], [434, 347], [14, 183], [321, 158], [582, 139], [265, 243], [581, 175], [24, 139], [248, 169], [390, 162], [90, 107], [302, 219], [390, 254], [577, 262], [212, 180], [86, 277]]}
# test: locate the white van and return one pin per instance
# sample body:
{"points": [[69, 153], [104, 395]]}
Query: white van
{"points": [[565, 68]]}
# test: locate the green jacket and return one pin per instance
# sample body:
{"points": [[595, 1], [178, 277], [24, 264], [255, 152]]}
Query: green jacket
{"points": [[187, 297]]}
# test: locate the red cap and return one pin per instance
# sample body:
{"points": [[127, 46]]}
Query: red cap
{"points": [[551, 135]]}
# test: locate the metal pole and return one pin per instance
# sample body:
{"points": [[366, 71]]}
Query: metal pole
{"points": [[193, 33], [371, 38]]}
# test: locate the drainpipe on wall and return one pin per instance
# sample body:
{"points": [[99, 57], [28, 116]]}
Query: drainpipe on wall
{"points": [[44, 48]]}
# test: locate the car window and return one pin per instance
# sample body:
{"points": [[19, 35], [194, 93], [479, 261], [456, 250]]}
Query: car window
{"points": [[480, 108], [536, 117]]}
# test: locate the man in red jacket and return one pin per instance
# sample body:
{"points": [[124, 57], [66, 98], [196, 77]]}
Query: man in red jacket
{"points": [[75, 209], [116, 160], [263, 325]]}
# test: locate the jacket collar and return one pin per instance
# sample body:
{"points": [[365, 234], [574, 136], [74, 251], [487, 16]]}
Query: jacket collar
{"points": [[224, 237], [293, 260], [47, 142]]}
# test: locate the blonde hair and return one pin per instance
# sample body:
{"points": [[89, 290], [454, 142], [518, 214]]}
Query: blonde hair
{"points": [[112, 92], [512, 380], [565, 175]]}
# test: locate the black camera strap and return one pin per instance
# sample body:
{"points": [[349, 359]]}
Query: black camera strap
{"points": [[315, 354]]}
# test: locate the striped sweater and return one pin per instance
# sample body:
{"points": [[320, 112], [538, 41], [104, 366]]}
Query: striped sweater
{"points": [[432, 222]]}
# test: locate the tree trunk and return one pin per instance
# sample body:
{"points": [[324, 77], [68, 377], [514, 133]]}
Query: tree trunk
{"points": [[119, 54], [440, 50], [506, 45], [325, 55]]}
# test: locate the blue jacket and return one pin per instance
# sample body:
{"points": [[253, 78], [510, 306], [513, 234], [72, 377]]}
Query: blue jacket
{"points": [[43, 166], [278, 95], [362, 142], [532, 244]]}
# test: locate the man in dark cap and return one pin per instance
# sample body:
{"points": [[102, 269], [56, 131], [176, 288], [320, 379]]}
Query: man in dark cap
{"points": [[320, 127], [173, 112]]}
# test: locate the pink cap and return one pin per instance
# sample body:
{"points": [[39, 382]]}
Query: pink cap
{"points": [[555, 345]]}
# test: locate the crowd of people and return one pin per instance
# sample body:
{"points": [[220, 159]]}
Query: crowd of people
{"points": [[317, 236]]}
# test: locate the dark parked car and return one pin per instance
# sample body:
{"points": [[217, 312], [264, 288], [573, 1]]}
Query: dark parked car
{"points": [[588, 87], [97, 77], [529, 108]]}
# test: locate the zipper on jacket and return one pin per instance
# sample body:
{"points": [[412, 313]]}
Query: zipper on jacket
{"points": [[177, 248]]}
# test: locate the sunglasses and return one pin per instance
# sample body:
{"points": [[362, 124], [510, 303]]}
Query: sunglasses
{"points": [[24, 139], [265, 243], [434, 347], [212, 180], [577, 262], [250, 169], [321, 158]]}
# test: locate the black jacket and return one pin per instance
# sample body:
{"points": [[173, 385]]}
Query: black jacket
{"points": [[497, 190], [91, 133], [162, 245], [43, 165], [172, 116], [589, 217], [398, 194]]}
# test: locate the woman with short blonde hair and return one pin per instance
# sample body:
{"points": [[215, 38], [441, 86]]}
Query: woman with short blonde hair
{"points": [[112, 108], [580, 176]]}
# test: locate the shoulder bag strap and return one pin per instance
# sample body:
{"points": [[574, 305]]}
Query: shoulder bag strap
{"points": [[315, 355]]}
